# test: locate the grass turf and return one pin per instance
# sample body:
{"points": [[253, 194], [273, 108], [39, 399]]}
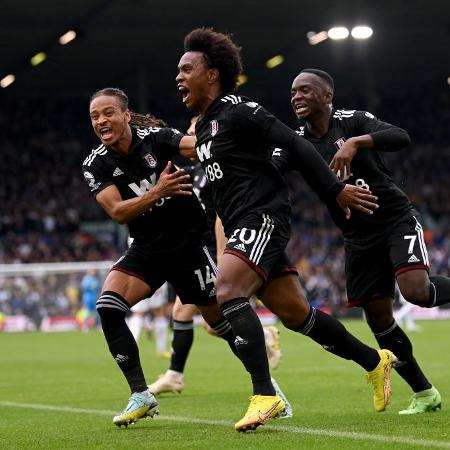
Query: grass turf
{"points": [[60, 391]]}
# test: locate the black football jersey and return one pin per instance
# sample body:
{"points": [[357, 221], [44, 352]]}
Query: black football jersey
{"points": [[172, 221], [368, 171], [234, 148]]}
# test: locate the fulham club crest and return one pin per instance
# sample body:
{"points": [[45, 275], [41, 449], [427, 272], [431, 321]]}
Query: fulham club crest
{"points": [[339, 143], [150, 160], [214, 127]]}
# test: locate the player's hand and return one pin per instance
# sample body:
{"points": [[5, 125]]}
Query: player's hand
{"points": [[341, 162], [173, 183], [356, 198]]}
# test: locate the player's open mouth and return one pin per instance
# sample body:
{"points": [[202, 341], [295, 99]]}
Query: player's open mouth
{"points": [[105, 133], [301, 109], [185, 92]]}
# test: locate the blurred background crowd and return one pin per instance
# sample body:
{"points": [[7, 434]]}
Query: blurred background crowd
{"points": [[48, 214]]}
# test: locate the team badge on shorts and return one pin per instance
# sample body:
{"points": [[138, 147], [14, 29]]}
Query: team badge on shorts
{"points": [[150, 160], [214, 127]]}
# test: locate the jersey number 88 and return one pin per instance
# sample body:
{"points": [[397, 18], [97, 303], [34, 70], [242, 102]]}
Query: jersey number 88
{"points": [[213, 171]]}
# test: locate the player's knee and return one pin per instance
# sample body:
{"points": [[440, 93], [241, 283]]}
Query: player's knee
{"points": [[378, 320], [416, 293], [292, 320]]}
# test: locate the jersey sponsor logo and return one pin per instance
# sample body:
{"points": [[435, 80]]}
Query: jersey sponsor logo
{"points": [[117, 172], [413, 259], [91, 181], [276, 152], [144, 185], [214, 127], [150, 159], [204, 151], [339, 143]]}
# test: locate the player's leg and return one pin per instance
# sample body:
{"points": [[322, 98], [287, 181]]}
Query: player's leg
{"points": [[120, 292], [379, 316], [160, 321], [136, 320], [236, 282], [183, 336], [284, 296], [410, 258]]}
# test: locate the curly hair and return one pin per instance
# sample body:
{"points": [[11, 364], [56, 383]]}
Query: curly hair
{"points": [[112, 92], [220, 52]]}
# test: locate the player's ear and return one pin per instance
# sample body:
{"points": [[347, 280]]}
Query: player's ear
{"points": [[329, 96], [213, 76], [127, 115]]}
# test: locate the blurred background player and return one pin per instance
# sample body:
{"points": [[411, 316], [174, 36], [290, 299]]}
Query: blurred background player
{"points": [[150, 314], [403, 315], [90, 289], [381, 248]]}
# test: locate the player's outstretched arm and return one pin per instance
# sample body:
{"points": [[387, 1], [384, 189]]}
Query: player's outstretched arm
{"points": [[187, 147], [122, 211]]}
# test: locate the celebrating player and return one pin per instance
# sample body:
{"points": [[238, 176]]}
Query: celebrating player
{"points": [[234, 139], [382, 248]]}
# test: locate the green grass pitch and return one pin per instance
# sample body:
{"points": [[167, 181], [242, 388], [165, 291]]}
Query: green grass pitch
{"points": [[60, 391]]}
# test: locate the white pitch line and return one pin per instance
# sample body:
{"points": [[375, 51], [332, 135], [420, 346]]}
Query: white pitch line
{"points": [[298, 430]]}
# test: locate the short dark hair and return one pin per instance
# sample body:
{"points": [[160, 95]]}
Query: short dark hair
{"points": [[220, 53], [113, 92], [325, 76]]}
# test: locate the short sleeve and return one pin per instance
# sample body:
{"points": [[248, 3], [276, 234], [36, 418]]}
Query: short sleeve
{"points": [[168, 138], [95, 178]]}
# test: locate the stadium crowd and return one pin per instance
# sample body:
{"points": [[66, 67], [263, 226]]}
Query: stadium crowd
{"points": [[48, 214]]}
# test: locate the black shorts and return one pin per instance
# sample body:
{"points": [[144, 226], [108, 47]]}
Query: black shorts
{"points": [[260, 241], [371, 270], [191, 271]]}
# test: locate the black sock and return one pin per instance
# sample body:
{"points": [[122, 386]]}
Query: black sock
{"points": [[439, 291], [395, 340], [334, 337], [112, 308], [250, 343], [183, 337], [224, 331]]}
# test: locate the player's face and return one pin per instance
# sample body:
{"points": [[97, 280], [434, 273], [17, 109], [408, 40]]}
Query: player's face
{"points": [[109, 121], [309, 97], [192, 81]]}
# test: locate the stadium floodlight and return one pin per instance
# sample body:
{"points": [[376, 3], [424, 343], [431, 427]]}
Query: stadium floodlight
{"points": [[6, 81], [67, 37], [38, 58], [338, 33], [242, 79], [362, 32], [274, 61], [316, 38]]}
